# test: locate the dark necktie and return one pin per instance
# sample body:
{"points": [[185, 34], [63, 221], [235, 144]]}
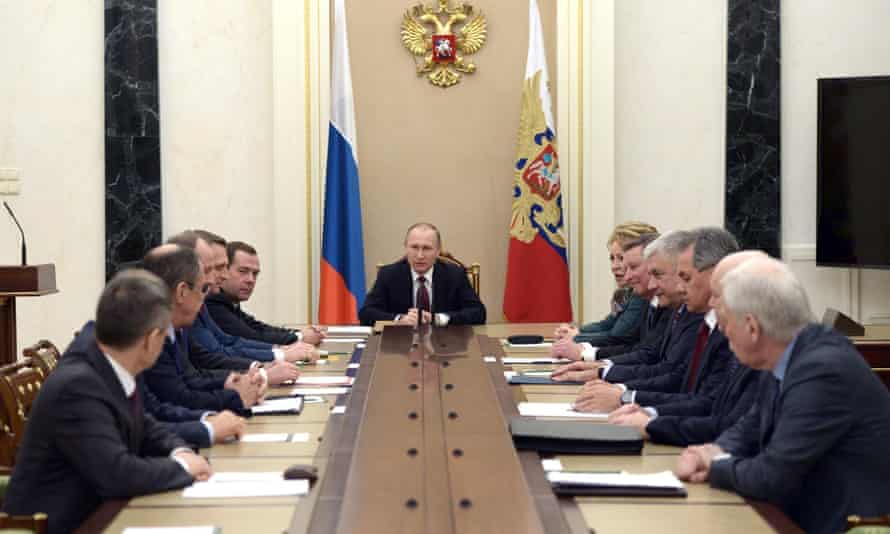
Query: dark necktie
{"points": [[423, 295], [700, 341], [650, 317], [135, 402]]}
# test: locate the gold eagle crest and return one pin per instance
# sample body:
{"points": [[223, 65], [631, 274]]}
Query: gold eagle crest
{"points": [[443, 51]]}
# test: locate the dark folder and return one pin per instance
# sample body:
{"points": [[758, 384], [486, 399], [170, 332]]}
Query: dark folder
{"points": [[540, 380], [574, 437], [617, 491]]}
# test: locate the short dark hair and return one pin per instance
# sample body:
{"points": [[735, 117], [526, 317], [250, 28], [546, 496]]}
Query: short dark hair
{"points": [[235, 246], [210, 238], [427, 226], [173, 265], [712, 244], [187, 238], [132, 304], [642, 241]]}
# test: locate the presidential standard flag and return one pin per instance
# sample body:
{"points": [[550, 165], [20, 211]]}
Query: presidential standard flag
{"points": [[342, 250], [537, 288]]}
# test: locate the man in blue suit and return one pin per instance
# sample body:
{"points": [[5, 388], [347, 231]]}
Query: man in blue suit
{"points": [[815, 441]]}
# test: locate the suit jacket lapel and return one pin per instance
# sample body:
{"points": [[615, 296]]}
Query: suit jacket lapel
{"points": [[130, 429]]}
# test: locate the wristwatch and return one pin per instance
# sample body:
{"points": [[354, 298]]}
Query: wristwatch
{"points": [[627, 397]]}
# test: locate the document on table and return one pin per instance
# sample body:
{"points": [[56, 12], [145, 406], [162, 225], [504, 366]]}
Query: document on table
{"points": [[225, 485], [556, 409], [279, 406], [324, 381], [350, 330], [344, 340], [544, 345], [320, 391], [172, 530], [275, 438], [513, 360], [664, 479]]}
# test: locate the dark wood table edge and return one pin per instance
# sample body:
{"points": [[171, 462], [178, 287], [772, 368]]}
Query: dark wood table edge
{"points": [[558, 515], [319, 512]]}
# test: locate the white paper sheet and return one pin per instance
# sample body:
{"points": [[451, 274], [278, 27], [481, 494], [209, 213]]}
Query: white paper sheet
{"points": [[286, 404], [320, 391], [350, 330], [544, 345], [551, 464], [246, 476], [663, 479], [343, 340], [275, 438], [338, 410], [324, 381], [490, 359], [537, 373], [216, 490], [556, 409], [513, 360], [510, 374], [353, 365], [171, 530]]}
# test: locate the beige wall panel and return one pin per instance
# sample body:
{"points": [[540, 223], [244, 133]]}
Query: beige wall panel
{"points": [[440, 155]]}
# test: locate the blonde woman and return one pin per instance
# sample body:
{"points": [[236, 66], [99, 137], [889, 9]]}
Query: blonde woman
{"points": [[621, 326]]}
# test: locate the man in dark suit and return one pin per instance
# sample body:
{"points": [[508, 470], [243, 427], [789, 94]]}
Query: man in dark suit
{"points": [[422, 287], [675, 423], [88, 438], [237, 286], [185, 373], [815, 441]]}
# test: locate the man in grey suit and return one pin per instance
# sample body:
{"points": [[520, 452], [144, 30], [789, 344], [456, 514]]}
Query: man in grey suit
{"points": [[816, 439]]}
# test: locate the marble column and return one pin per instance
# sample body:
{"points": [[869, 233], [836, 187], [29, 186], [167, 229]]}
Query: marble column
{"points": [[752, 125], [132, 133]]}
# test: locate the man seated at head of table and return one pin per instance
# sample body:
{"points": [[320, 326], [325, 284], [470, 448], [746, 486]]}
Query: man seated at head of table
{"points": [[688, 380], [236, 286], [677, 337], [186, 374], [733, 399], [211, 250], [88, 439], [623, 325], [815, 441], [652, 322], [421, 287]]}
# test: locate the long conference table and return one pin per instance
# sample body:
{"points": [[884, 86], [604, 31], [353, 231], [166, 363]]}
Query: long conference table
{"points": [[420, 444]]}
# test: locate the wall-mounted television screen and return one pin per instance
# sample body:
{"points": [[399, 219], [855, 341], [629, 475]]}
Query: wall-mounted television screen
{"points": [[853, 172]]}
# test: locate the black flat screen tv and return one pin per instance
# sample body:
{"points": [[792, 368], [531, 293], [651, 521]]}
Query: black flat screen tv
{"points": [[853, 172]]}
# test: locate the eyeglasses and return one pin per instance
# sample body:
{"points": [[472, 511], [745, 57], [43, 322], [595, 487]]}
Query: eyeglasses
{"points": [[204, 289]]}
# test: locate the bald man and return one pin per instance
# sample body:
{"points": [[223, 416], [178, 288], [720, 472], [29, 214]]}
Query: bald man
{"points": [[815, 441]]}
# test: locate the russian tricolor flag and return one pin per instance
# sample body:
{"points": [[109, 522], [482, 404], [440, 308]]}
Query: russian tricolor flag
{"points": [[342, 251]]}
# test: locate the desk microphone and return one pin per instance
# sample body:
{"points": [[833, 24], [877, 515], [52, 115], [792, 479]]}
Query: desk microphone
{"points": [[16, 221]]}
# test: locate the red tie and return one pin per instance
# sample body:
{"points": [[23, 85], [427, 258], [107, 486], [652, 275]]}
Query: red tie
{"points": [[700, 341], [423, 296]]}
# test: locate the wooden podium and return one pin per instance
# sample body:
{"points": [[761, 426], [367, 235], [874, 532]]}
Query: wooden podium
{"points": [[20, 281]]}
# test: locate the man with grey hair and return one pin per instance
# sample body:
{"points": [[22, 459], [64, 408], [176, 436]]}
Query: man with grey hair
{"points": [[691, 377], [87, 438], [815, 441]]}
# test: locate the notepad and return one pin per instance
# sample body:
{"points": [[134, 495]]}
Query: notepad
{"points": [[324, 381], [232, 489], [279, 406], [513, 360], [350, 330], [664, 483], [556, 409], [172, 530], [275, 438]]}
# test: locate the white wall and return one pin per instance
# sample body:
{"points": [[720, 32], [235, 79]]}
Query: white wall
{"points": [[51, 128], [823, 38]]}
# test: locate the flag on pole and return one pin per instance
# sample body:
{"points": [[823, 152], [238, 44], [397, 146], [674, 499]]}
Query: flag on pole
{"points": [[342, 250], [537, 288]]}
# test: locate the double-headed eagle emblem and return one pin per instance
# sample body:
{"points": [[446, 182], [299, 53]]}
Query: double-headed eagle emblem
{"points": [[443, 51]]}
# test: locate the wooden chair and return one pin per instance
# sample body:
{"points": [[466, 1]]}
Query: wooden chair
{"points": [[472, 271], [44, 356], [868, 525], [37, 523], [19, 385]]}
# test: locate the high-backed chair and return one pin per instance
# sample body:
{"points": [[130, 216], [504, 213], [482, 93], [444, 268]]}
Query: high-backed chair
{"points": [[19, 385], [37, 523], [44, 355], [473, 270]]}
